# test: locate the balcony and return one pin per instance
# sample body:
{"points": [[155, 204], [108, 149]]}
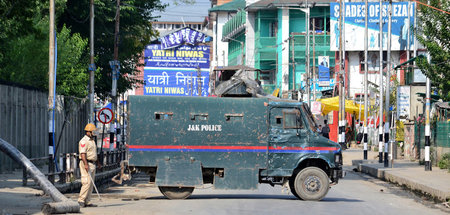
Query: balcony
{"points": [[234, 25]]}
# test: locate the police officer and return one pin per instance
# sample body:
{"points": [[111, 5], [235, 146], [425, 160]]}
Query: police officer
{"points": [[88, 157]]}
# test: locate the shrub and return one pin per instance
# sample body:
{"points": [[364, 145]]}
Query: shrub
{"points": [[444, 163]]}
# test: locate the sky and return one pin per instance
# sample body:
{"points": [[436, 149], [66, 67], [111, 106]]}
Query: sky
{"points": [[195, 12]]}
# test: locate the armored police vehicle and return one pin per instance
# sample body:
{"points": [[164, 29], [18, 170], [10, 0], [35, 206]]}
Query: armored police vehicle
{"points": [[231, 143]]}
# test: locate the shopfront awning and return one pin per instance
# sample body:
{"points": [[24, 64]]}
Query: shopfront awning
{"points": [[332, 104]]}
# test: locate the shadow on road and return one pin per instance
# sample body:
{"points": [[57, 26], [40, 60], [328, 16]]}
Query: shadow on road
{"points": [[254, 196], [231, 196], [340, 200]]}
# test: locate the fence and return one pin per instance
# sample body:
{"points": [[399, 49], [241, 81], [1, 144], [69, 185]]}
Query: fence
{"points": [[440, 134], [24, 122], [439, 139], [69, 165]]}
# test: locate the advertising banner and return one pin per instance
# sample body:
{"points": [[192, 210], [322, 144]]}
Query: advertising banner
{"points": [[182, 57], [324, 76], [355, 25], [185, 35], [403, 101], [166, 82]]}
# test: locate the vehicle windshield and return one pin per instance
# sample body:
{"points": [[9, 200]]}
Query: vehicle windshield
{"points": [[309, 116]]}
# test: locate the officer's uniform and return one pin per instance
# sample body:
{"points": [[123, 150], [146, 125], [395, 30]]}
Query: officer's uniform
{"points": [[87, 145]]}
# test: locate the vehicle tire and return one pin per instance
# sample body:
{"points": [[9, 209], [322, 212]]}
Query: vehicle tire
{"points": [[311, 184], [176, 192], [292, 187]]}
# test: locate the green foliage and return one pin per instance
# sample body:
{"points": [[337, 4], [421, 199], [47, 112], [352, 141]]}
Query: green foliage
{"points": [[444, 163], [25, 50], [135, 33], [72, 76], [24, 42], [434, 34]]}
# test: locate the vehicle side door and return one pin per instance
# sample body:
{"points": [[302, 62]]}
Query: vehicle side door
{"points": [[287, 138]]}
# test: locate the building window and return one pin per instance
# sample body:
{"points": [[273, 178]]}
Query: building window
{"points": [[373, 61], [273, 29], [322, 24]]}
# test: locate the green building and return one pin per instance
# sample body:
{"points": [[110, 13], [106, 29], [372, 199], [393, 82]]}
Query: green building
{"points": [[270, 35]]}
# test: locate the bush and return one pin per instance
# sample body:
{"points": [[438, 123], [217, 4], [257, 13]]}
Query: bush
{"points": [[444, 163]]}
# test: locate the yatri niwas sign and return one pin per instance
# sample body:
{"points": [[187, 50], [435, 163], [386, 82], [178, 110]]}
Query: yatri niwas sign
{"points": [[185, 35], [182, 71]]}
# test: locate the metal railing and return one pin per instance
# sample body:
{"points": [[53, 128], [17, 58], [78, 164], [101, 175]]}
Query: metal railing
{"points": [[69, 165], [234, 23]]}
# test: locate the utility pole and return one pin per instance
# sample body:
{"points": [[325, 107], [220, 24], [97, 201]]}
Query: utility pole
{"points": [[344, 75], [91, 67], [415, 24], [293, 62], [341, 115], [427, 121], [314, 59], [366, 90], [427, 117], [388, 86], [408, 34], [51, 88], [199, 81], [307, 68], [115, 73], [380, 144]]}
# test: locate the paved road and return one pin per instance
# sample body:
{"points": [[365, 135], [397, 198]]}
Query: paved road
{"points": [[356, 194]]}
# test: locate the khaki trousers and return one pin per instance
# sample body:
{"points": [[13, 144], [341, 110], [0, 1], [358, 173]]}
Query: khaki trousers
{"points": [[86, 184]]}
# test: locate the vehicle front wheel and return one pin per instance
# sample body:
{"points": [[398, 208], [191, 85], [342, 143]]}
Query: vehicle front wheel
{"points": [[176, 192], [311, 184]]}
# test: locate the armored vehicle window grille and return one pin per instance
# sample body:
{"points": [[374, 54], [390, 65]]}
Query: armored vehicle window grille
{"points": [[163, 115], [232, 117], [292, 119], [198, 116]]}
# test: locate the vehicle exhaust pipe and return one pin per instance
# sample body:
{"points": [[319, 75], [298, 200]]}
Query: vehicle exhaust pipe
{"points": [[62, 204]]}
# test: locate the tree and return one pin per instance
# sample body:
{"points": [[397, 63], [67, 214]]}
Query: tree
{"points": [[135, 33], [434, 34], [24, 49]]}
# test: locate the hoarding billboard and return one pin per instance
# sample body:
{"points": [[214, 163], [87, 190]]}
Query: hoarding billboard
{"points": [[177, 82], [403, 101], [355, 25], [182, 57], [176, 72]]}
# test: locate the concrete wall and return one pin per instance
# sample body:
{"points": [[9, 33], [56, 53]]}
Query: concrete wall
{"points": [[220, 48], [24, 122], [356, 74]]}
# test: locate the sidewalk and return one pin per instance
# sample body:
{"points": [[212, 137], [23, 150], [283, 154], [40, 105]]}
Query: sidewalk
{"points": [[435, 183], [17, 199]]}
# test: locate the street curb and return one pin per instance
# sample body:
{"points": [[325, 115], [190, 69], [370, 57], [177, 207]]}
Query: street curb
{"points": [[390, 176], [416, 186]]}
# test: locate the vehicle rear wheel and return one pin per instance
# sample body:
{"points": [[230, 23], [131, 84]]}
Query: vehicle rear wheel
{"points": [[311, 184], [176, 192]]}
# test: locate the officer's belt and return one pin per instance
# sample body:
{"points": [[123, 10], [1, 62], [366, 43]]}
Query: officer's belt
{"points": [[90, 161]]}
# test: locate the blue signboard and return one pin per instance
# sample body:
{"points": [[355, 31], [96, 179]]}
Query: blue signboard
{"points": [[165, 82], [182, 57], [324, 74], [355, 25], [185, 35]]}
